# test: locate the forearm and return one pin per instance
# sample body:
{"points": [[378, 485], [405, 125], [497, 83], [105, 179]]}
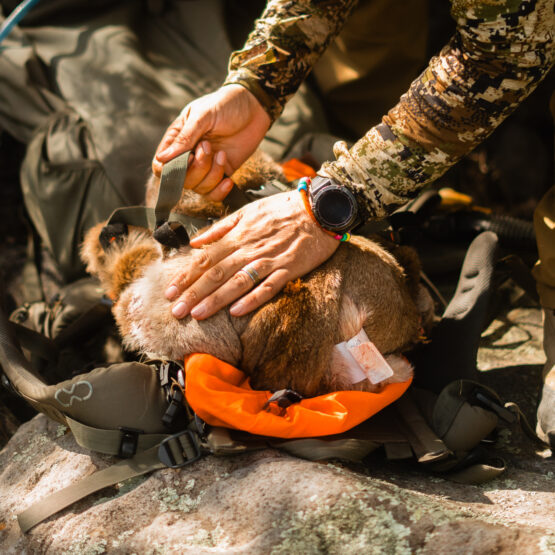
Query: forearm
{"points": [[497, 57], [287, 40]]}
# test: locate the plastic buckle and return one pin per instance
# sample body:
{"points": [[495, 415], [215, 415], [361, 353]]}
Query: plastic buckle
{"points": [[171, 234], [165, 453], [283, 398], [175, 407], [129, 442]]}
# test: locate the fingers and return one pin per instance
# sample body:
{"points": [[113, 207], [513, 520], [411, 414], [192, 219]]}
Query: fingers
{"points": [[208, 173], [267, 289], [234, 284], [191, 126], [169, 137], [200, 263], [221, 191], [219, 229], [199, 165], [211, 280]]}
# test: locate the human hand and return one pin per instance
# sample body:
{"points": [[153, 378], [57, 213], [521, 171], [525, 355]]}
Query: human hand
{"points": [[225, 126], [275, 236]]}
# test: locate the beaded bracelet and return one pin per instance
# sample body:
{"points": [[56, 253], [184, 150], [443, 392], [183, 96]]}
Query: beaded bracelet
{"points": [[302, 187]]}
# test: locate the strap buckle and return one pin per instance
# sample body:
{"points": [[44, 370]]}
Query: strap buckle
{"points": [[175, 408], [171, 234], [283, 398], [180, 449], [129, 442]]}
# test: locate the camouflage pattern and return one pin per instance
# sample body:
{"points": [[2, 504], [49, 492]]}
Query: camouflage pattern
{"points": [[500, 51], [286, 42]]}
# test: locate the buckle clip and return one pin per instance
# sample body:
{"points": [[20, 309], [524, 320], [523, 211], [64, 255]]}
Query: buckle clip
{"points": [[129, 442], [171, 234], [188, 447], [283, 398], [175, 408]]}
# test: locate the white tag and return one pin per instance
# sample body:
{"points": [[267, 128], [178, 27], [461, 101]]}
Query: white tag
{"points": [[344, 364], [368, 361]]}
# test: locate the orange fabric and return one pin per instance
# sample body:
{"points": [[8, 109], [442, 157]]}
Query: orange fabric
{"points": [[221, 395], [295, 169]]}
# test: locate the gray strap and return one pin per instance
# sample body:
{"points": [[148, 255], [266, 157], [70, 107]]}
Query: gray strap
{"points": [[427, 446], [171, 186], [478, 473], [108, 441], [139, 216], [36, 342], [140, 464], [318, 449], [169, 193]]}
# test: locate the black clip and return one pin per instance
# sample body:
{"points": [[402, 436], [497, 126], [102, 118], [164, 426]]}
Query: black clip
{"points": [[172, 235], [174, 408], [188, 446], [112, 233], [283, 398], [129, 441]]}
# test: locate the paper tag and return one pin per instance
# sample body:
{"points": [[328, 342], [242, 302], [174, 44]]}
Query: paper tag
{"points": [[370, 360], [360, 360], [344, 364]]}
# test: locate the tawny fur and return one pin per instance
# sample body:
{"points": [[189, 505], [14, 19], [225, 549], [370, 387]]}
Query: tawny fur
{"points": [[286, 343]]}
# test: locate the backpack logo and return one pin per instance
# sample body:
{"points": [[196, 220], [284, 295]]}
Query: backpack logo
{"points": [[79, 391]]}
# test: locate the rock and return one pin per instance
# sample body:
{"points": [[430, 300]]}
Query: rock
{"points": [[266, 502], [269, 502]]}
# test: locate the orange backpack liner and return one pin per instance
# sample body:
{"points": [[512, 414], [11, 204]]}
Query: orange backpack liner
{"points": [[221, 395]]}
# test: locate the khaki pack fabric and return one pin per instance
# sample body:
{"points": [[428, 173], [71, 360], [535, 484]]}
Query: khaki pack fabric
{"points": [[91, 89]]}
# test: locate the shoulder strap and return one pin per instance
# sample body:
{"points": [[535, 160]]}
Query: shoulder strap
{"points": [[142, 463]]}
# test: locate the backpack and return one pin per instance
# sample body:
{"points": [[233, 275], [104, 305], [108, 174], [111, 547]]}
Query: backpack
{"points": [[153, 415]]}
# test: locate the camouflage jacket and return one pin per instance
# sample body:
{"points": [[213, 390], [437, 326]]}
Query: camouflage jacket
{"points": [[500, 51]]}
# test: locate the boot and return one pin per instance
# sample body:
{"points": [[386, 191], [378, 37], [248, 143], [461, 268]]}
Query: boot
{"points": [[546, 409]]}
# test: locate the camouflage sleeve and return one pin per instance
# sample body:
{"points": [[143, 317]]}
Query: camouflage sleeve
{"points": [[498, 55], [286, 42]]}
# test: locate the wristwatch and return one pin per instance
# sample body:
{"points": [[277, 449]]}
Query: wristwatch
{"points": [[334, 207]]}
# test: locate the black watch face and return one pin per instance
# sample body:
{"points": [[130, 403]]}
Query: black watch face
{"points": [[335, 209]]}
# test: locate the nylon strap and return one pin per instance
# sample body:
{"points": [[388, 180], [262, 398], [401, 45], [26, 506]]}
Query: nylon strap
{"points": [[171, 185], [316, 449], [427, 446], [144, 462], [169, 193], [108, 441], [478, 473]]}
